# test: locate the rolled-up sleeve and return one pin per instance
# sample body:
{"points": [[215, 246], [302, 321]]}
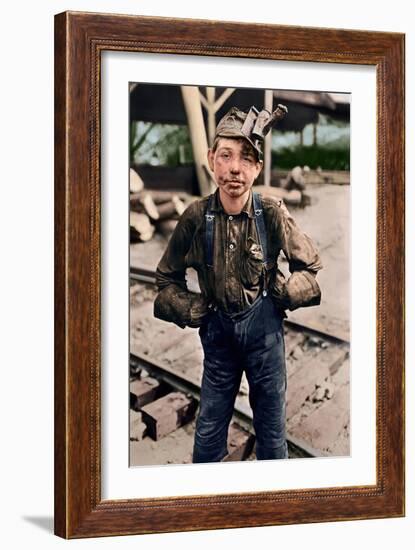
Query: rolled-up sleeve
{"points": [[174, 302], [301, 289]]}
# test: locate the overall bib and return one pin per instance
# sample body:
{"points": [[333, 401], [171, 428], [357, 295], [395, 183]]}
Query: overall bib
{"points": [[251, 341]]}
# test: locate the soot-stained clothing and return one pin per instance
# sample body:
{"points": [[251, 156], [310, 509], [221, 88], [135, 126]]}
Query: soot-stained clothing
{"points": [[236, 278]]}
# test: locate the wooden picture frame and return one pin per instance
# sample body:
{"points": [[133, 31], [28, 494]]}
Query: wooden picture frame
{"points": [[80, 38]]}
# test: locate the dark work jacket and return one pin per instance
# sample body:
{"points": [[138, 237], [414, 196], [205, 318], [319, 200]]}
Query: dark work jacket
{"points": [[237, 276]]}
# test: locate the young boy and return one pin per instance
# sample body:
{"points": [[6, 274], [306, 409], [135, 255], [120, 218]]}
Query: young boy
{"points": [[233, 239]]}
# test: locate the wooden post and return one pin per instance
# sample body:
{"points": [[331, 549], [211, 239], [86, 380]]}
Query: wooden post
{"points": [[211, 111], [268, 104], [212, 106], [198, 138]]}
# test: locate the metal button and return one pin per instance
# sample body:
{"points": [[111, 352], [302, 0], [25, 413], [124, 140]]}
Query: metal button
{"points": [[231, 246], [230, 218]]}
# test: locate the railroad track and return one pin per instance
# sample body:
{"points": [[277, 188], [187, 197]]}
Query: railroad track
{"points": [[166, 357], [167, 405], [142, 275], [154, 383]]}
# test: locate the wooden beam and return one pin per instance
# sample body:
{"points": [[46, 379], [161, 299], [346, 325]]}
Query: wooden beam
{"points": [[191, 100], [268, 104], [143, 391], [211, 119], [221, 100], [203, 100], [168, 413]]}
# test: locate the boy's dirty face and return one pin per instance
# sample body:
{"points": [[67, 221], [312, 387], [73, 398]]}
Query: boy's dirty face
{"points": [[234, 165]]}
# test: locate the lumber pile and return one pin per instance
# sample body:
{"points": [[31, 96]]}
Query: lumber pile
{"points": [[313, 177], [152, 211], [292, 197]]}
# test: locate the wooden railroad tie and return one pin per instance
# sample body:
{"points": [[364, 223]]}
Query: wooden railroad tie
{"points": [[310, 374], [143, 391], [168, 413]]}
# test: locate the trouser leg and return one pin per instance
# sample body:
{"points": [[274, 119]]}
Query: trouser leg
{"points": [[220, 384], [266, 374]]}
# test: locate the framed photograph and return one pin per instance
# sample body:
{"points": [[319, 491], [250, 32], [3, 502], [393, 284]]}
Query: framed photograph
{"points": [[150, 113], [167, 359]]}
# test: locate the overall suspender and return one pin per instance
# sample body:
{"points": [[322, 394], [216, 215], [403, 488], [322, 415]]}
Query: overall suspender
{"points": [[260, 227], [210, 233], [262, 236]]}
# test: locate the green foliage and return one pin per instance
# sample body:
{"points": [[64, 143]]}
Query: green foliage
{"points": [[137, 138], [328, 158], [164, 144], [169, 145]]}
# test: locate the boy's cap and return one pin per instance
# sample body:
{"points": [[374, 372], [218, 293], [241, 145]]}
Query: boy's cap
{"points": [[252, 126]]}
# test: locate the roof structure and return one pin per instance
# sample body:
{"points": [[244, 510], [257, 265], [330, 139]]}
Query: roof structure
{"points": [[164, 104]]}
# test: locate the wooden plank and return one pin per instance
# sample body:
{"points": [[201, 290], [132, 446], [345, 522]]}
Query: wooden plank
{"points": [[171, 210], [332, 356], [323, 325], [176, 339], [161, 197], [143, 391], [339, 177], [292, 339], [181, 347], [168, 413], [191, 365], [298, 359], [143, 203], [289, 197], [240, 443], [323, 426], [136, 183], [140, 226], [311, 374], [302, 385]]}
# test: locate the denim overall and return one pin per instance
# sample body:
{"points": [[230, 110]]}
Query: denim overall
{"points": [[251, 341]]}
